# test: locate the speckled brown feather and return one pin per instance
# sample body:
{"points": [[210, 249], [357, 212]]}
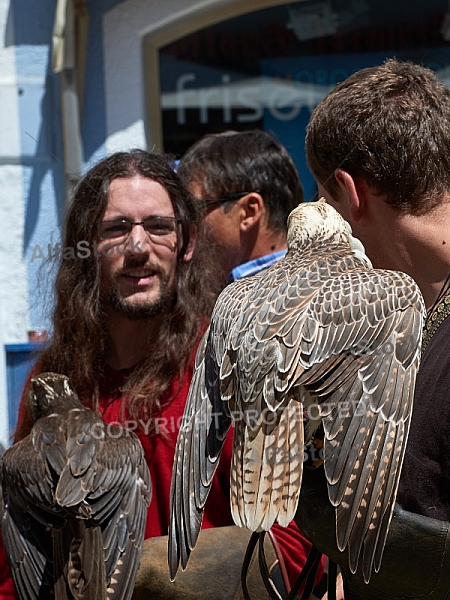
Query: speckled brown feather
{"points": [[320, 329]]}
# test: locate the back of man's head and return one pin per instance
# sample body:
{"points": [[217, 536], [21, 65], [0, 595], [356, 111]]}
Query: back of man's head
{"points": [[389, 124], [247, 161]]}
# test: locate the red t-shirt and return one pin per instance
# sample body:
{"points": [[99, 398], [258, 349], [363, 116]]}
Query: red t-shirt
{"points": [[159, 450]]}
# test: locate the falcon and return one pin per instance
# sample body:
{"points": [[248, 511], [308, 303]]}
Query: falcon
{"points": [[74, 500], [319, 339]]}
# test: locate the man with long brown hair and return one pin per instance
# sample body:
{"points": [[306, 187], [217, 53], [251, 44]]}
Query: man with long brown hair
{"points": [[134, 229], [131, 306]]}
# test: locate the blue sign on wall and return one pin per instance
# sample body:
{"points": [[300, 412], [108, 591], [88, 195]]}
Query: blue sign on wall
{"points": [[303, 81]]}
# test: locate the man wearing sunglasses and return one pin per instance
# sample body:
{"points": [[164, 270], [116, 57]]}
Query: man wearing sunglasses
{"points": [[247, 184]]}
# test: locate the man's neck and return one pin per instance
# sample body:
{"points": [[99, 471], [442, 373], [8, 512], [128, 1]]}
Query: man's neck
{"points": [[266, 243], [428, 263], [420, 247], [129, 341]]}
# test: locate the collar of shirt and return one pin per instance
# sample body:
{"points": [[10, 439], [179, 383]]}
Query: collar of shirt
{"points": [[255, 266]]}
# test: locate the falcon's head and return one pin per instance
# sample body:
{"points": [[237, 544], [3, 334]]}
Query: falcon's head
{"points": [[310, 221], [47, 390]]}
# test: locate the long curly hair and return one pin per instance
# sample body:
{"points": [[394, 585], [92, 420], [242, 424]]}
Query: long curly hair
{"points": [[79, 337]]}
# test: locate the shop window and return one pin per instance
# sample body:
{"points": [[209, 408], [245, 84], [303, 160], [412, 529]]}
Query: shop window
{"points": [[268, 69]]}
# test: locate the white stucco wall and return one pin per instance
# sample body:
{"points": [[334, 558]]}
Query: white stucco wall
{"points": [[13, 272], [124, 29]]}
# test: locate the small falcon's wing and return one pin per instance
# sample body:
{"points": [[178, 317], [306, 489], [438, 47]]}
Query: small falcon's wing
{"points": [[87, 486], [106, 481], [119, 500], [205, 425], [26, 515]]}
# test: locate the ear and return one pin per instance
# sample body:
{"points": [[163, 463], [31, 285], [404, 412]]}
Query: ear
{"points": [[352, 193], [252, 207], [191, 245]]}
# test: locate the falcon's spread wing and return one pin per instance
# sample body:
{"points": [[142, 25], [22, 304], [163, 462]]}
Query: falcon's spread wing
{"points": [[321, 332], [75, 494], [356, 363], [205, 425]]}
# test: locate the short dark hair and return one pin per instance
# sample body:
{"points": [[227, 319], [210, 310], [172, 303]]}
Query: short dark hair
{"points": [[391, 125], [233, 161]]}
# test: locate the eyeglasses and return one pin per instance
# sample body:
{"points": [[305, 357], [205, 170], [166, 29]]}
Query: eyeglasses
{"points": [[207, 202], [160, 229]]}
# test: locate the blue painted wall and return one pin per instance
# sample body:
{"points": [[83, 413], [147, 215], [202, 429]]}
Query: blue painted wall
{"points": [[41, 135]]}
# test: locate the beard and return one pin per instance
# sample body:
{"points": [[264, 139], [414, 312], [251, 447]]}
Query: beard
{"points": [[142, 310]]}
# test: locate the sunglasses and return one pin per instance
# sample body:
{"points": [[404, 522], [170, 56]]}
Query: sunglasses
{"points": [[207, 202]]}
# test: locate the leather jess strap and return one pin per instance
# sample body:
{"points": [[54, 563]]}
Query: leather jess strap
{"points": [[416, 559], [306, 578]]}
